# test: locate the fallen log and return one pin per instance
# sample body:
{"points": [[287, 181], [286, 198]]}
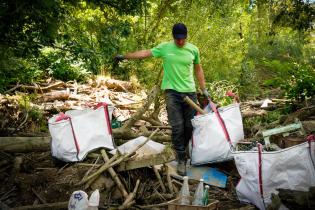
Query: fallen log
{"points": [[155, 126], [42, 144], [24, 144], [152, 121], [253, 113], [114, 84], [55, 95]]}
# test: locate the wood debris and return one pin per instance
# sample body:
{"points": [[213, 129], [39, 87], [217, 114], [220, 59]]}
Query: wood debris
{"points": [[34, 180]]}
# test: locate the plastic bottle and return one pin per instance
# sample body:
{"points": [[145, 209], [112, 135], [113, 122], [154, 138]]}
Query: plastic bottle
{"points": [[184, 195], [78, 201], [94, 200], [205, 198], [198, 194]]}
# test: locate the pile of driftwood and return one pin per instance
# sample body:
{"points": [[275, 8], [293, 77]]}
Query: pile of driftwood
{"points": [[133, 106], [140, 112], [35, 181]]}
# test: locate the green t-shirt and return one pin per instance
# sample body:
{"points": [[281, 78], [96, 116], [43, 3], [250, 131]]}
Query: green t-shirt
{"points": [[178, 65]]}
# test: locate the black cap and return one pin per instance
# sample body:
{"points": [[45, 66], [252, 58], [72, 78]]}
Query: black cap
{"points": [[179, 31]]}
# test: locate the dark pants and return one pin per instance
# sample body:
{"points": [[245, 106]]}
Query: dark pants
{"points": [[179, 116]]}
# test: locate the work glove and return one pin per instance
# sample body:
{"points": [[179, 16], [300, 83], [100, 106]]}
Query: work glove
{"points": [[118, 58]]}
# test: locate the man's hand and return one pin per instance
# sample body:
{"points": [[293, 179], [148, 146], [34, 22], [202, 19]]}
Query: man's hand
{"points": [[118, 58], [206, 93]]}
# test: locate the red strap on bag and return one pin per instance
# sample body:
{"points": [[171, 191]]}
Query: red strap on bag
{"points": [[63, 116], [260, 180], [260, 169], [105, 105], [221, 121], [311, 138]]}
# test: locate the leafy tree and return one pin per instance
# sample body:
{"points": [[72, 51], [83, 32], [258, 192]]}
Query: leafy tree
{"points": [[29, 26]]}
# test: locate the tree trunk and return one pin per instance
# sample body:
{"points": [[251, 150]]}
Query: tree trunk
{"points": [[24, 144]]}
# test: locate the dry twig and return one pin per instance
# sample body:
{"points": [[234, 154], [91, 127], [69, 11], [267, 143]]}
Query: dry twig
{"points": [[115, 161], [115, 176], [158, 176]]}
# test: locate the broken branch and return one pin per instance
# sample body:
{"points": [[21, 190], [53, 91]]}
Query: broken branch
{"points": [[113, 161], [114, 175]]}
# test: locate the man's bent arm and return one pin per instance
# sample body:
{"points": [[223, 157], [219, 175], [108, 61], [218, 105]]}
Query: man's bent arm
{"points": [[200, 76], [138, 54]]}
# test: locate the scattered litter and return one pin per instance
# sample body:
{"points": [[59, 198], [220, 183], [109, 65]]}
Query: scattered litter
{"points": [[211, 176], [265, 103], [284, 130], [79, 201], [150, 148]]}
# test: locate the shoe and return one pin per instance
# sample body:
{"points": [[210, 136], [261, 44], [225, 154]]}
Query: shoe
{"points": [[181, 168]]}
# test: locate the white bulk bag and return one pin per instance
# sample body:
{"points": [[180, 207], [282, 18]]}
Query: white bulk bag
{"points": [[78, 132], [264, 172], [209, 142]]}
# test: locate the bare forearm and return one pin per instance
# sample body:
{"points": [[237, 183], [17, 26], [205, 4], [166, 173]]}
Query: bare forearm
{"points": [[138, 54], [200, 76]]}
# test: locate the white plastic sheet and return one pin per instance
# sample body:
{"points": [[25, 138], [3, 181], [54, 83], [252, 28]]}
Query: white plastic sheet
{"points": [[290, 168], [80, 131], [151, 147], [209, 144]]}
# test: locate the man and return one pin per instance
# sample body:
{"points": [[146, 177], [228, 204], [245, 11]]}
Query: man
{"points": [[180, 61]]}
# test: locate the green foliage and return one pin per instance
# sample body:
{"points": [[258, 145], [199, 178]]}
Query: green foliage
{"points": [[298, 14], [36, 119], [62, 66], [91, 35], [17, 70], [300, 83], [89, 31], [253, 124], [218, 91], [297, 80]]}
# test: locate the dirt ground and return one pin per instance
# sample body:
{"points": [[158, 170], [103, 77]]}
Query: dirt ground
{"points": [[34, 178]]}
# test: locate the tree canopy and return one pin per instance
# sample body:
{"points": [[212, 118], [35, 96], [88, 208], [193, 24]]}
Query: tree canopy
{"points": [[247, 43]]}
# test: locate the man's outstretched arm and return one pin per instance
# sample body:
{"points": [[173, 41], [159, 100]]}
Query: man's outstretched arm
{"points": [[138, 54]]}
